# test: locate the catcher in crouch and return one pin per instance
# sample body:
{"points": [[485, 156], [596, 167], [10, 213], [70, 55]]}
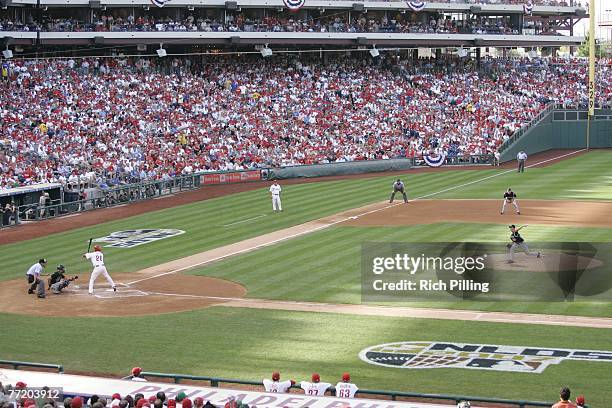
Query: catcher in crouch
{"points": [[58, 281], [510, 198], [518, 241]]}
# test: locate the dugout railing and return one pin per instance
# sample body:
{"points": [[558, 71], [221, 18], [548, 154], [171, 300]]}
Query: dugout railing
{"points": [[393, 395], [109, 197]]}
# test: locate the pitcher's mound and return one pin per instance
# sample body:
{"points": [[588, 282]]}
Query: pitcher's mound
{"points": [[549, 262], [164, 294]]}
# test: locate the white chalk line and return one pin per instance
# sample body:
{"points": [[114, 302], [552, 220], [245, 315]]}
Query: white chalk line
{"points": [[247, 220], [332, 223]]}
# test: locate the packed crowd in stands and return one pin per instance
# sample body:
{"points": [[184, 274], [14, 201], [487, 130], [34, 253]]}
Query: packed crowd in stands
{"points": [[336, 22], [113, 121]]}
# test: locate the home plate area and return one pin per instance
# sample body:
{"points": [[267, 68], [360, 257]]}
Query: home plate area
{"points": [[159, 294], [105, 291]]}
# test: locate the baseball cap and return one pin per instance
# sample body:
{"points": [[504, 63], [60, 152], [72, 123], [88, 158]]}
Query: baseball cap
{"points": [[152, 399], [275, 376], [186, 403], [136, 371], [42, 260], [199, 401], [171, 403], [316, 378], [20, 384], [181, 396], [116, 396], [512, 226], [580, 400], [346, 377], [77, 402]]}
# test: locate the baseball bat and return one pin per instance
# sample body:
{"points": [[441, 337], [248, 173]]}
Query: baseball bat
{"points": [[89, 246]]}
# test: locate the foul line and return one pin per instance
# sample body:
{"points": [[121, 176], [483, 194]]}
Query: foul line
{"points": [[332, 223], [247, 220]]}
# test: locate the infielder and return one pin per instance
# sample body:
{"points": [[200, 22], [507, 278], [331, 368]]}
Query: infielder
{"points": [[316, 387], [33, 275], [276, 385], [97, 260], [275, 191], [398, 186], [346, 389], [510, 198], [518, 241]]}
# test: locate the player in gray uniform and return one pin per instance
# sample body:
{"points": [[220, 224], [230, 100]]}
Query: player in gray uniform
{"points": [[58, 281], [398, 186], [518, 242]]}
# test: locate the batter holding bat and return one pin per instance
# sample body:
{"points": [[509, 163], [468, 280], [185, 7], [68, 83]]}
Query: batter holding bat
{"points": [[97, 260], [510, 198], [518, 242]]}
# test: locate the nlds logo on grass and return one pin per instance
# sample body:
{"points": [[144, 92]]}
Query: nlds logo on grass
{"points": [[431, 354], [132, 238]]}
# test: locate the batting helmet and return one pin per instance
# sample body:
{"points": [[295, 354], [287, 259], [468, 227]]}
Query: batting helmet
{"points": [[97, 248]]}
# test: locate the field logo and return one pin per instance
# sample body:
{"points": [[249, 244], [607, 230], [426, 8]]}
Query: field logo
{"points": [[432, 354], [132, 238]]}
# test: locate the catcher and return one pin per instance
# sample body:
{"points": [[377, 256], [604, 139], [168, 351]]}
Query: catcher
{"points": [[58, 281], [510, 198], [518, 241]]}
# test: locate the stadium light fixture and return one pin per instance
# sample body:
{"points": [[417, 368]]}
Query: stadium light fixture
{"points": [[266, 51], [161, 52], [7, 53]]}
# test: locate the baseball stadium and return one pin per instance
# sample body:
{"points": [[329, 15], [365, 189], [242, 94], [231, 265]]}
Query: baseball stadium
{"points": [[305, 203]]}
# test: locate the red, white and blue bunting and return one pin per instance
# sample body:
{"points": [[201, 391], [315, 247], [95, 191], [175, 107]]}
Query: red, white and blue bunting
{"points": [[294, 4], [528, 8], [159, 3], [416, 5], [435, 161]]}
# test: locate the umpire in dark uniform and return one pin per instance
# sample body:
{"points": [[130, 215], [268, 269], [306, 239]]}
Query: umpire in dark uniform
{"points": [[398, 186]]}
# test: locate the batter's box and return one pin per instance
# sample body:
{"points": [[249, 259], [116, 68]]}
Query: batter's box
{"points": [[121, 293]]}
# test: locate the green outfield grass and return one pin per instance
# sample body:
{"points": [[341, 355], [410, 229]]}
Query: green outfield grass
{"points": [[322, 266], [250, 344]]}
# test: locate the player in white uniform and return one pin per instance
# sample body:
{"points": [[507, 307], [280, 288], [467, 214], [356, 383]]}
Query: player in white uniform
{"points": [[97, 260], [316, 387], [276, 385], [346, 389], [275, 191]]}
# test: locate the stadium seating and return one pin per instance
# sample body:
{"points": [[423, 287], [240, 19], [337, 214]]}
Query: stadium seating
{"points": [[110, 121]]}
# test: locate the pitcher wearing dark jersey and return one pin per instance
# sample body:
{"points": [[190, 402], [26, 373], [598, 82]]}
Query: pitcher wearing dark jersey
{"points": [[518, 242]]}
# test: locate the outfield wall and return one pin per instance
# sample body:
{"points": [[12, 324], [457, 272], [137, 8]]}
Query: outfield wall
{"points": [[562, 129]]}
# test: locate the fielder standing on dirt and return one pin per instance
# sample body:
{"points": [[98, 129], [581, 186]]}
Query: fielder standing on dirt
{"points": [[275, 192], [97, 260], [518, 242], [510, 198], [398, 187]]}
